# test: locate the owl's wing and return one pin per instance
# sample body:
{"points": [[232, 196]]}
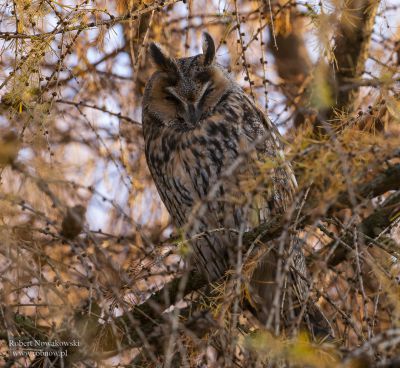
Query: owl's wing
{"points": [[273, 180], [263, 284]]}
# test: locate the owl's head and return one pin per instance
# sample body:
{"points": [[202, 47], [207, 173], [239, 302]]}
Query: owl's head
{"points": [[185, 89]]}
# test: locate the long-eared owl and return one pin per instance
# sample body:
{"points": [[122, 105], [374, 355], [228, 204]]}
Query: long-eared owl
{"points": [[216, 159]]}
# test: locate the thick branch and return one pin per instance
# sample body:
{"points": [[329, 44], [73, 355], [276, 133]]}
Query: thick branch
{"points": [[146, 324], [292, 62], [382, 183], [386, 181], [370, 227], [352, 42]]}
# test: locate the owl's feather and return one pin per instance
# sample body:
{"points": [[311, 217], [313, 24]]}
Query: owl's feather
{"points": [[186, 164], [216, 159]]}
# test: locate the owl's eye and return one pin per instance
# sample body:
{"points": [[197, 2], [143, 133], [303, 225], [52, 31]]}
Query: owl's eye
{"points": [[208, 90], [203, 76], [172, 98]]}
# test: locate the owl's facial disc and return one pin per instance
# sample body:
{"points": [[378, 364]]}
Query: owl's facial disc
{"points": [[184, 90], [189, 108]]}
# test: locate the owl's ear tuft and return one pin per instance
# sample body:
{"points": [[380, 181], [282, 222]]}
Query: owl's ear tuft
{"points": [[162, 61], [208, 49]]}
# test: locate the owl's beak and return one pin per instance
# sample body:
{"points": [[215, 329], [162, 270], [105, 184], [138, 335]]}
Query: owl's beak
{"points": [[193, 113]]}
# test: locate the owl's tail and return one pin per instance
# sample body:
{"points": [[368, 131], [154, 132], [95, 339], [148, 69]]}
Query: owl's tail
{"points": [[279, 292]]}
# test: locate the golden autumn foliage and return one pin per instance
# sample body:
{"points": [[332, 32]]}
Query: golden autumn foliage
{"points": [[86, 245]]}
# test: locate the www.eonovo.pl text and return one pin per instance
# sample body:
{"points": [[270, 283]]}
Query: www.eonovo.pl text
{"points": [[45, 353]]}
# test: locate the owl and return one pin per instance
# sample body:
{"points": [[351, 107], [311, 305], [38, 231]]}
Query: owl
{"points": [[216, 159]]}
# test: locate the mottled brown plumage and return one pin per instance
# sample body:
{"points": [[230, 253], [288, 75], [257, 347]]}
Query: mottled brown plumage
{"points": [[216, 159]]}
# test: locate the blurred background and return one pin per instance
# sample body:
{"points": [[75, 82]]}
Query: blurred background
{"points": [[80, 218]]}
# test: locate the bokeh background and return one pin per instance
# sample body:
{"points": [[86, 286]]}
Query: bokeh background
{"points": [[81, 222]]}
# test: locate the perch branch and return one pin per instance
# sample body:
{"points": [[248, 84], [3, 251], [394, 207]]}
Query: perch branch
{"points": [[145, 323]]}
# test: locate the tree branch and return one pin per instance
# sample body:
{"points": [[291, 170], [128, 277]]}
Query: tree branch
{"points": [[145, 325], [371, 228], [352, 42], [382, 183]]}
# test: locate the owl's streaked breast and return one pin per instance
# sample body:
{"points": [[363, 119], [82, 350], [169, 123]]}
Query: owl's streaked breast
{"points": [[215, 158], [185, 164]]}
